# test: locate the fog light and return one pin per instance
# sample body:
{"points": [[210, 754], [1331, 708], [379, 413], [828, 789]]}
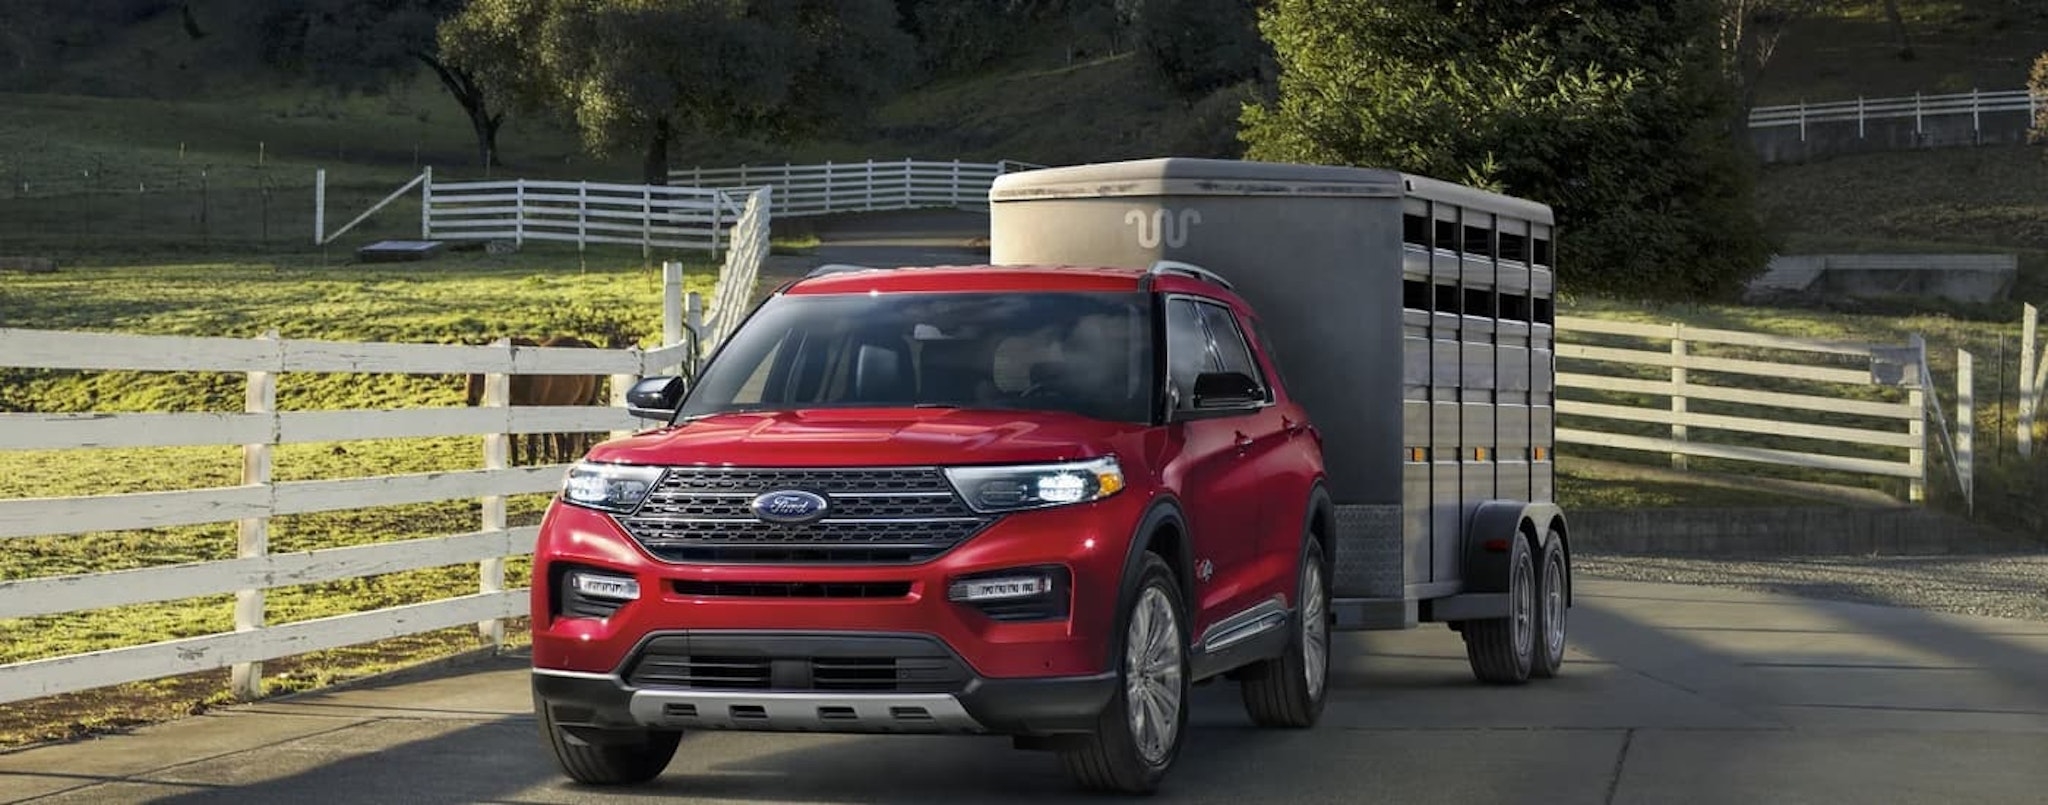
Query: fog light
{"points": [[1000, 588], [597, 585]]}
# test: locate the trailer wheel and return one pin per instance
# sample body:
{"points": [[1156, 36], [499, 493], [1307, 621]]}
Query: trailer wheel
{"points": [[1503, 650], [1550, 613], [1138, 735], [1288, 690]]}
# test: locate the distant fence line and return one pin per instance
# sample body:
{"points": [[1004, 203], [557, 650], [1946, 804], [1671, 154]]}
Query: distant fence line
{"points": [[867, 186], [1976, 117]]}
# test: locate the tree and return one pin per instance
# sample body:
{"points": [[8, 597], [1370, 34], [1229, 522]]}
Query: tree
{"points": [[360, 44], [1615, 113], [647, 71], [1750, 30], [1201, 46]]}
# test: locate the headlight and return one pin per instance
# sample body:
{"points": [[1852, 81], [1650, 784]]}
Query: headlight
{"points": [[616, 488], [999, 489]]}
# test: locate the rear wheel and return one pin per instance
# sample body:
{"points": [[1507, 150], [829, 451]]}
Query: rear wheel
{"points": [[608, 757], [1503, 650], [1550, 612], [1287, 691], [1138, 735]]}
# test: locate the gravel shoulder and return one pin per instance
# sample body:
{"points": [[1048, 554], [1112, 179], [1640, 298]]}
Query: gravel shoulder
{"points": [[2002, 586]]}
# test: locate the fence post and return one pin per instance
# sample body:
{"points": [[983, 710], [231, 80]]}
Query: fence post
{"points": [[1802, 121], [1678, 380], [909, 201], [1859, 118], [647, 221], [2031, 366], [582, 214], [956, 183], [491, 572], [252, 537], [828, 188], [868, 197], [427, 203], [1966, 427], [1919, 118], [693, 317], [621, 384], [718, 201], [519, 213], [1976, 117], [320, 207], [1916, 428], [671, 308]]}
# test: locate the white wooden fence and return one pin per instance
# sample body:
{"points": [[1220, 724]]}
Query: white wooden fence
{"points": [[870, 186], [583, 213], [1918, 108], [258, 498], [1672, 384]]}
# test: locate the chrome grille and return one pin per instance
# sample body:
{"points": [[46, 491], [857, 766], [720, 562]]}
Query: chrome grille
{"points": [[702, 514]]}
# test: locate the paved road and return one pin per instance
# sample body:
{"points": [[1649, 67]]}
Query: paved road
{"points": [[1672, 694]]}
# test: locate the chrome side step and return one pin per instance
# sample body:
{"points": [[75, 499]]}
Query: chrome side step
{"points": [[1263, 617]]}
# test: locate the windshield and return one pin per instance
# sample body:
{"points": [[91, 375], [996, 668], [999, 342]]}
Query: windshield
{"points": [[1081, 353]]}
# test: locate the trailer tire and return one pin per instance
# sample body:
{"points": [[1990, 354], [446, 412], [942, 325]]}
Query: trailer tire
{"points": [[1111, 758], [1503, 650], [1288, 690], [624, 759], [1552, 602]]}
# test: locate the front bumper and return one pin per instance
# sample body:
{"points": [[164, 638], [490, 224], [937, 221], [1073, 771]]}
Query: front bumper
{"points": [[648, 693]]}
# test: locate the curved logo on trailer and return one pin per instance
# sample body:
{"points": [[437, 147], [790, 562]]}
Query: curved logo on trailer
{"points": [[1163, 226], [790, 506]]}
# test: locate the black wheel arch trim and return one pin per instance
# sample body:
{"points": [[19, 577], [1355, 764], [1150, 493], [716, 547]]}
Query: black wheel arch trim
{"points": [[1162, 512], [1536, 524]]}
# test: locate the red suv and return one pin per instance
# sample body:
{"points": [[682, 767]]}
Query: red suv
{"points": [[1025, 501]]}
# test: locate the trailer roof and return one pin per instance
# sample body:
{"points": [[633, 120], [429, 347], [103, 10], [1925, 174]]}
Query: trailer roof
{"points": [[1187, 176]]}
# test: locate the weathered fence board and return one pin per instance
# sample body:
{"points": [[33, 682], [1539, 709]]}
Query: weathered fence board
{"points": [[49, 677]]}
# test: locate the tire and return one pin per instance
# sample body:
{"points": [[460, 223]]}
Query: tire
{"points": [[625, 758], [1114, 758], [1288, 690], [1502, 651], [1553, 576]]}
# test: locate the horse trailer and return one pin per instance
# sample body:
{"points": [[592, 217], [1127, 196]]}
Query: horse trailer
{"points": [[1413, 319]]}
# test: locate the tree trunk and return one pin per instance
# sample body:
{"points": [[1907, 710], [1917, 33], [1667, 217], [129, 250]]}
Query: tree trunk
{"points": [[1891, 10], [655, 168], [463, 86]]}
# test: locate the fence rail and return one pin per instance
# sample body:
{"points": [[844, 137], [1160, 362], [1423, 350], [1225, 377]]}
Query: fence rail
{"points": [[869, 186], [258, 498], [1896, 428]]}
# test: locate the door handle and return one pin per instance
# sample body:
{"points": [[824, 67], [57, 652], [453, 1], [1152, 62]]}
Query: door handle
{"points": [[1293, 428], [1244, 443]]}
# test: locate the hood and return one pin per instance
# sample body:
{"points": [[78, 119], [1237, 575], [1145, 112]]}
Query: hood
{"points": [[872, 437]]}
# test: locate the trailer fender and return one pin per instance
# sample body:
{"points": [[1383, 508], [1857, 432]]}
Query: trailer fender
{"points": [[1486, 551]]}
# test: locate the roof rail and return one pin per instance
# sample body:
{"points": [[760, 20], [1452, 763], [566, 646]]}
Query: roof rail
{"points": [[838, 268], [1189, 270]]}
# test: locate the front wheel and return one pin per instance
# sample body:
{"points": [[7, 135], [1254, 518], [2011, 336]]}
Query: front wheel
{"points": [[1287, 691], [610, 757], [1138, 735]]}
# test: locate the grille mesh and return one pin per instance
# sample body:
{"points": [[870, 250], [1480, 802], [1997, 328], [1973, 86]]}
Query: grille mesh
{"points": [[875, 516]]}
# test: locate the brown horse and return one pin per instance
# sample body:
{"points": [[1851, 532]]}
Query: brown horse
{"points": [[548, 390]]}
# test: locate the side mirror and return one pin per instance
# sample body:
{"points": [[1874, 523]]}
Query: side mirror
{"points": [[656, 397], [1226, 390]]}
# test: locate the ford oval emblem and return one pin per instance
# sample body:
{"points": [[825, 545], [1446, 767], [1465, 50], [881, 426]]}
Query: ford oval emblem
{"points": [[790, 506]]}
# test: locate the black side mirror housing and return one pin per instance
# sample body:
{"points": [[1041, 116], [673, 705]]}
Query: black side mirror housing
{"points": [[1226, 390], [656, 397]]}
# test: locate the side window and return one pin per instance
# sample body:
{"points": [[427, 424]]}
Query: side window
{"points": [[1233, 353], [1187, 348]]}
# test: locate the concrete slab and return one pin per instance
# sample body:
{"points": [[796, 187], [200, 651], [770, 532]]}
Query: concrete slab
{"points": [[1867, 768], [1671, 694]]}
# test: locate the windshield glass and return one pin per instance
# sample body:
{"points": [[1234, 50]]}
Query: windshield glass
{"points": [[1082, 353]]}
